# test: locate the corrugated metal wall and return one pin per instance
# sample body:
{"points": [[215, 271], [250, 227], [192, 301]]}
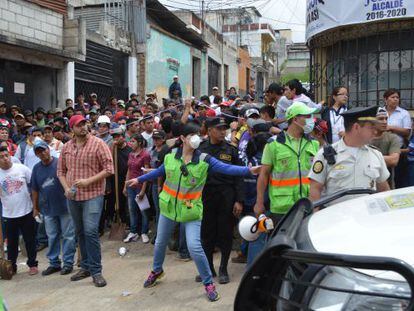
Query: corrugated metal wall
{"points": [[93, 16], [58, 6], [129, 15]]}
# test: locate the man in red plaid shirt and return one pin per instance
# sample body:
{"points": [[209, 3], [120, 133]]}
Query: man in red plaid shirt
{"points": [[84, 164]]}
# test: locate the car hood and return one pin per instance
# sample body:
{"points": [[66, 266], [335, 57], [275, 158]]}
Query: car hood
{"points": [[374, 225]]}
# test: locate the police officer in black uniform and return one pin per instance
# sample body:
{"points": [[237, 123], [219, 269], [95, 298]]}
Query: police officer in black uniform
{"points": [[222, 198]]}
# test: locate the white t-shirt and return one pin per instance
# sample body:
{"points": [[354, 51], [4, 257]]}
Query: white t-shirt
{"points": [[14, 191], [149, 139]]}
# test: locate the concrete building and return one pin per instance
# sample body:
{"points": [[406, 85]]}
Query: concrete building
{"points": [[246, 82], [297, 60], [243, 27], [174, 49], [113, 43], [222, 55], [137, 47], [363, 45], [38, 46]]}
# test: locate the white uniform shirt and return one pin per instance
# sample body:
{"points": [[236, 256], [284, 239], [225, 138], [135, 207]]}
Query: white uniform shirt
{"points": [[362, 168]]}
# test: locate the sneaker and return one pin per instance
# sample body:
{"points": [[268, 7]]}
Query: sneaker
{"points": [[82, 274], [240, 258], [131, 237], [50, 270], [211, 292], [66, 270], [153, 278], [33, 271], [99, 280], [182, 257], [144, 238]]}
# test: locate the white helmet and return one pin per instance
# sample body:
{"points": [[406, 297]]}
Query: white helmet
{"points": [[248, 228], [103, 119]]}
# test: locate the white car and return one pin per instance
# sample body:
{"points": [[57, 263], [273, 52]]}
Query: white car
{"points": [[354, 255]]}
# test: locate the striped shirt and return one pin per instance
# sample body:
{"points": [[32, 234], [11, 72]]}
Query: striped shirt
{"points": [[84, 162]]}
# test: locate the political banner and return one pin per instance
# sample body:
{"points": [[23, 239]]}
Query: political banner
{"points": [[327, 14]]}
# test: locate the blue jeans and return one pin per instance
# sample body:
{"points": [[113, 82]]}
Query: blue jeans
{"points": [[182, 243], [57, 228], [133, 212], [86, 216], [255, 247], [192, 230]]}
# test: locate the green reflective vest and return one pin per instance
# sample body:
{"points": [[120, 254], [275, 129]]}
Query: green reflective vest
{"points": [[289, 181], [180, 199]]}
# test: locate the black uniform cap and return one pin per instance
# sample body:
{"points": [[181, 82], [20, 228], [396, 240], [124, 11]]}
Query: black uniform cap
{"points": [[360, 114], [216, 122], [189, 128]]}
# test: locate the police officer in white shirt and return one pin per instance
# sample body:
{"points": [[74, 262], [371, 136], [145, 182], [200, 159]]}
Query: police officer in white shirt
{"points": [[351, 162]]}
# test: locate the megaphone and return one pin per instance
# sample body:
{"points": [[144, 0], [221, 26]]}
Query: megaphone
{"points": [[251, 227]]}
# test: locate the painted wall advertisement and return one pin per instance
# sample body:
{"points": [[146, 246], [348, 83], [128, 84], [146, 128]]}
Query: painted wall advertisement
{"points": [[327, 14]]}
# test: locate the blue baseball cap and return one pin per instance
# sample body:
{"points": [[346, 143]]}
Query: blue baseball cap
{"points": [[40, 144]]}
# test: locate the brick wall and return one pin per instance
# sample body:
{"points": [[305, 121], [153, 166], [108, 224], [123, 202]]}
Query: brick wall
{"points": [[29, 22]]}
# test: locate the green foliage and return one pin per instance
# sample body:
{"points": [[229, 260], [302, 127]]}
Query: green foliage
{"points": [[302, 76]]}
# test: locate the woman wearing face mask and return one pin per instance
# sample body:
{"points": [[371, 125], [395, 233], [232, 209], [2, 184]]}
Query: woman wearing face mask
{"points": [[138, 159], [180, 201]]}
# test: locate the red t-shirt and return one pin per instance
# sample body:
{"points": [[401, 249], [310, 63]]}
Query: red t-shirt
{"points": [[136, 162]]}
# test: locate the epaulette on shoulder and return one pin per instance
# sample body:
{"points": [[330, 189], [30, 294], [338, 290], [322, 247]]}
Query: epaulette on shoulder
{"points": [[374, 147]]}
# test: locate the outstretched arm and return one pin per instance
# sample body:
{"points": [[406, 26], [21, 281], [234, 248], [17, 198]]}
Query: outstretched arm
{"points": [[216, 166], [154, 174]]}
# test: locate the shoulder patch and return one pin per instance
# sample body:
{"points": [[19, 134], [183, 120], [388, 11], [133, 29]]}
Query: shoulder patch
{"points": [[317, 167]]}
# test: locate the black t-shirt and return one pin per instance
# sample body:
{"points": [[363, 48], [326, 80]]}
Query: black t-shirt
{"points": [[123, 161]]}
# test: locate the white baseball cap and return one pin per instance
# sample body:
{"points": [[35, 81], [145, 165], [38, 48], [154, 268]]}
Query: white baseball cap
{"points": [[103, 119]]}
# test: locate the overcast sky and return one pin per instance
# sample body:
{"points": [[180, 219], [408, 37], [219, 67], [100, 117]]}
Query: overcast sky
{"points": [[280, 13]]}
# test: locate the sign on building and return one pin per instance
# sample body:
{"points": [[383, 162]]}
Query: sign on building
{"points": [[327, 14]]}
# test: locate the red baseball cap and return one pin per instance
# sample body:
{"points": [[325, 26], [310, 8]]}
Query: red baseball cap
{"points": [[75, 120], [210, 112]]}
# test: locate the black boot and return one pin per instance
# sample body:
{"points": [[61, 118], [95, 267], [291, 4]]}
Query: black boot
{"points": [[223, 276]]}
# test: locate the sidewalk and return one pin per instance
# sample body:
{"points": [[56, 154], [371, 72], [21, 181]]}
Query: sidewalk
{"points": [[177, 291]]}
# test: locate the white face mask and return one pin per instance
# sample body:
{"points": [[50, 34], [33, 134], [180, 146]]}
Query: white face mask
{"points": [[195, 141], [310, 124], [37, 139]]}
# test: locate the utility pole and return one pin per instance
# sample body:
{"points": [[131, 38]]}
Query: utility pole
{"points": [[202, 18]]}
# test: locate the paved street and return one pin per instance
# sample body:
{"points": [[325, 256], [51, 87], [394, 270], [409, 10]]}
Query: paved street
{"points": [[178, 291]]}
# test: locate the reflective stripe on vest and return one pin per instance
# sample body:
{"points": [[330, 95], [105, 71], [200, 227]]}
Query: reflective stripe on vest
{"points": [[184, 193], [289, 178]]}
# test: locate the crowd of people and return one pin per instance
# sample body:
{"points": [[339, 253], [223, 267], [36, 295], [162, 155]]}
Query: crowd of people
{"points": [[189, 168]]}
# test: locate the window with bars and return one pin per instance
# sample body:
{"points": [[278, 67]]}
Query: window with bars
{"points": [[367, 66]]}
